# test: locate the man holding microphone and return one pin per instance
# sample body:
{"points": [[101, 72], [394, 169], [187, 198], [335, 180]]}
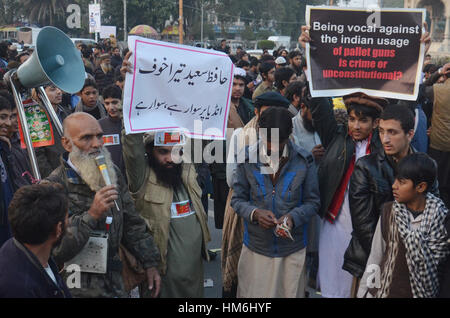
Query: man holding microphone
{"points": [[92, 206]]}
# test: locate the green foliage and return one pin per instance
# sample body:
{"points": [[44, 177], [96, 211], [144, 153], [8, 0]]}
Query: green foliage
{"points": [[9, 11], [266, 44], [248, 34], [44, 12], [149, 12], [208, 31], [263, 34], [262, 18], [271, 17]]}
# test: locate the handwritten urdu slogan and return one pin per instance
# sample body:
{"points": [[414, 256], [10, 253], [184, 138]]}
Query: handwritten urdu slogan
{"points": [[173, 86]]}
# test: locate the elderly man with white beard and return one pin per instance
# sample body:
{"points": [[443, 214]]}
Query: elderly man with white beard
{"points": [[92, 205], [104, 73]]}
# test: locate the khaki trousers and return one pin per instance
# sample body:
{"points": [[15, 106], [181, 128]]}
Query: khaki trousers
{"points": [[260, 276]]}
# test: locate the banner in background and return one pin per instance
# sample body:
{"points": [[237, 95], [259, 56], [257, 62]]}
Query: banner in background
{"points": [[176, 87], [39, 125], [358, 50], [106, 31], [95, 23]]}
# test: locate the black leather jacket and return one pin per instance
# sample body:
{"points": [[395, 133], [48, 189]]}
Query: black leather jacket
{"points": [[339, 146], [370, 187]]}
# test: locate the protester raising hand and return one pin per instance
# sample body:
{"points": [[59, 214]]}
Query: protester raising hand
{"points": [[445, 69], [304, 36], [126, 65], [426, 38]]}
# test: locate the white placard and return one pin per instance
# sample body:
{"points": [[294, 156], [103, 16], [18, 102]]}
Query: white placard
{"points": [[106, 31], [93, 257], [176, 87], [95, 23]]}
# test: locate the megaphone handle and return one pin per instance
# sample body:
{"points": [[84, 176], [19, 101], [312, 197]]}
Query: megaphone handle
{"points": [[25, 130]]}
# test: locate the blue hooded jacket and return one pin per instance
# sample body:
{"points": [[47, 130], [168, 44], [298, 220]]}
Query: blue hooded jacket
{"points": [[296, 192]]}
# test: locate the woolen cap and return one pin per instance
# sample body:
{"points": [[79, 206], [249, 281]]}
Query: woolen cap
{"points": [[362, 99], [272, 99], [105, 56]]}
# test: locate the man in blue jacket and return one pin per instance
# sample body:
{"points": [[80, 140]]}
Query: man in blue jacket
{"points": [[276, 194], [38, 217]]}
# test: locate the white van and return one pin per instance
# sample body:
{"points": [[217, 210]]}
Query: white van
{"points": [[84, 41]]}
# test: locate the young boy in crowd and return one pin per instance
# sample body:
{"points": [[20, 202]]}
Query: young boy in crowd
{"points": [[90, 102], [6, 184], [410, 240], [112, 124]]}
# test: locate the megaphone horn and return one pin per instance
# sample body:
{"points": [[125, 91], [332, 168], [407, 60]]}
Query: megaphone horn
{"points": [[55, 60]]}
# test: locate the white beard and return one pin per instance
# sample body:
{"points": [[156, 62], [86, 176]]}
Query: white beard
{"points": [[106, 68], [88, 169]]}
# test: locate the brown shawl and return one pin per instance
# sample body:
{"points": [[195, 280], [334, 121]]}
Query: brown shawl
{"points": [[232, 235]]}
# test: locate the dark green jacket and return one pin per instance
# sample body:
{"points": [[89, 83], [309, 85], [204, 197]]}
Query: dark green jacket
{"points": [[128, 228], [339, 146]]}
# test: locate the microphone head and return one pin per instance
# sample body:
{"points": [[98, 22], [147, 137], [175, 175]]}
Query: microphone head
{"points": [[101, 164], [100, 160]]}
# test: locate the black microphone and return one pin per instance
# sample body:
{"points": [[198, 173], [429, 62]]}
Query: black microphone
{"points": [[101, 164]]}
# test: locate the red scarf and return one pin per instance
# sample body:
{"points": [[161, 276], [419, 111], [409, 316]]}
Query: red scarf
{"points": [[339, 195]]}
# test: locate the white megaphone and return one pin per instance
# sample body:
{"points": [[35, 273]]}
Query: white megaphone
{"points": [[55, 60]]}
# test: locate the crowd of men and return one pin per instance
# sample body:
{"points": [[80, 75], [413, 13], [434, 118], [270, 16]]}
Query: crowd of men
{"points": [[350, 196]]}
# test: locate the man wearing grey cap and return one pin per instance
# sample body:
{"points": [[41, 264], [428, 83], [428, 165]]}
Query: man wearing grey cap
{"points": [[248, 134], [233, 228], [276, 195]]}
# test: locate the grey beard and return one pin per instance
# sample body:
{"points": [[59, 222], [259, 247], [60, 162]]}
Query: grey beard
{"points": [[106, 68], [88, 169]]}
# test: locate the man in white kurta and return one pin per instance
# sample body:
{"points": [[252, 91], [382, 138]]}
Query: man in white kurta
{"points": [[334, 282]]}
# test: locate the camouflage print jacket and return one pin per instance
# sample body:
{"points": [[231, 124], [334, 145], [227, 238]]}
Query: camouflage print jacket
{"points": [[127, 228]]}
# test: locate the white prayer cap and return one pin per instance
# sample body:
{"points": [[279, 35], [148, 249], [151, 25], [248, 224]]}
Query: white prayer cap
{"points": [[280, 60], [239, 72]]}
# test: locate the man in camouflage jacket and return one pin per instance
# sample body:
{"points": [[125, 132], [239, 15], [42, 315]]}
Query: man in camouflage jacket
{"points": [[88, 210]]}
